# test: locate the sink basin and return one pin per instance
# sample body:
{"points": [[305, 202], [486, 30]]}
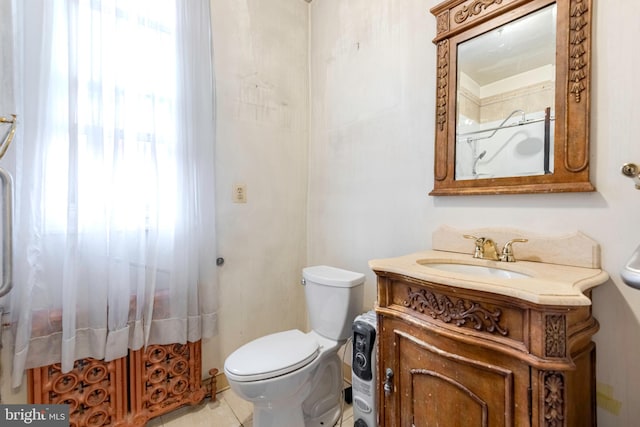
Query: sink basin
{"points": [[475, 270]]}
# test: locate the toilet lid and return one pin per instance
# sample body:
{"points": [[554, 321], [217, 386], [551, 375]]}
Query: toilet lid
{"points": [[271, 356]]}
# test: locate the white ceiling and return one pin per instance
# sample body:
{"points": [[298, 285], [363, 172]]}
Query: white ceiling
{"points": [[519, 46]]}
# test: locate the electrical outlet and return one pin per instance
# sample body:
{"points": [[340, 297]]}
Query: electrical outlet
{"points": [[239, 193]]}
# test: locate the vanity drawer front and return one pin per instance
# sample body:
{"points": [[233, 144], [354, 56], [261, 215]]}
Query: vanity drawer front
{"points": [[472, 314]]}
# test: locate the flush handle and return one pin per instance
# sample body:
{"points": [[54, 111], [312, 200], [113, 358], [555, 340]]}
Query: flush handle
{"points": [[388, 382]]}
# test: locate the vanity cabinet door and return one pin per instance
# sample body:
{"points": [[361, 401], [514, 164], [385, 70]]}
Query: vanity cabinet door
{"points": [[449, 386]]}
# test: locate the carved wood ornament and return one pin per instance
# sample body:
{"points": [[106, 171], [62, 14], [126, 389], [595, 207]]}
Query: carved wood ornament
{"points": [[555, 336], [577, 38], [442, 23], [475, 8], [461, 313], [443, 77], [553, 399]]}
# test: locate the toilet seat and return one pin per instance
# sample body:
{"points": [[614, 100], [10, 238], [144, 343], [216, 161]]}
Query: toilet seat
{"points": [[271, 356]]}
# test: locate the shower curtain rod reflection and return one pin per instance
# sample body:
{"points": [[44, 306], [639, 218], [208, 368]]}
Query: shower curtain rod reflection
{"points": [[497, 128]]}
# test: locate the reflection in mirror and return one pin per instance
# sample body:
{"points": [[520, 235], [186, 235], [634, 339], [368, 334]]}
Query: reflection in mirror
{"points": [[506, 100]]}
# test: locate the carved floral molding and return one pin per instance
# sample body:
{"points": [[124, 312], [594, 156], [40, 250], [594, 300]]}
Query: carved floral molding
{"points": [[461, 312], [555, 336], [443, 78], [442, 22], [553, 399], [577, 37], [475, 8]]}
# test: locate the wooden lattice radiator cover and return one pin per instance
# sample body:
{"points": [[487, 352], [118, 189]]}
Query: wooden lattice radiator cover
{"points": [[160, 378]]}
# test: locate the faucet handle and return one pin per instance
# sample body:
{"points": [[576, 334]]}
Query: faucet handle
{"points": [[479, 242], [485, 247], [507, 250]]}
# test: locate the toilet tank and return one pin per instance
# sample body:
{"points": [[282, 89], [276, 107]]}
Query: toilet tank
{"points": [[334, 298]]}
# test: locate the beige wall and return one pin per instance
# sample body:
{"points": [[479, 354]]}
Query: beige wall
{"points": [[371, 141], [261, 65]]}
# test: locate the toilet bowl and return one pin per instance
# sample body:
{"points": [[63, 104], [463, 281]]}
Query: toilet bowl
{"points": [[294, 379]]}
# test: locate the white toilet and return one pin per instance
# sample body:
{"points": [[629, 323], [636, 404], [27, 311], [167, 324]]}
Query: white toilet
{"points": [[294, 379]]}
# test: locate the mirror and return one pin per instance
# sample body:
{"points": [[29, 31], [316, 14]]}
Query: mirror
{"points": [[512, 96], [505, 99]]}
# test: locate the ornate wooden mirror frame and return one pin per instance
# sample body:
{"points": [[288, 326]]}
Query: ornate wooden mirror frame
{"points": [[461, 20]]}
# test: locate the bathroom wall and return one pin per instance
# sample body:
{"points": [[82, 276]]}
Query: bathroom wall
{"points": [[372, 72], [371, 163], [261, 65]]}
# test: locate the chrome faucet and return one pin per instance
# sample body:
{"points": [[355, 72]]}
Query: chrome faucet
{"points": [[486, 248]]}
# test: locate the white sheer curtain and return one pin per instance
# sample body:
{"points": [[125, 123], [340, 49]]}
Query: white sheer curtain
{"points": [[114, 231]]}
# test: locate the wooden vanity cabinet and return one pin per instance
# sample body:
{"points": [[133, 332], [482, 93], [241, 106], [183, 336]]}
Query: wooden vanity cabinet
{"points": [[452, 357]]}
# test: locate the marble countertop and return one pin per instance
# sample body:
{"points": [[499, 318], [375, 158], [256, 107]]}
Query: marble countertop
{"points": [[548, 284]]}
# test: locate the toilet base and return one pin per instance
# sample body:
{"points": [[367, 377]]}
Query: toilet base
{"points": [[328, 419], [293, 417], [322, 406], [278, 416]]}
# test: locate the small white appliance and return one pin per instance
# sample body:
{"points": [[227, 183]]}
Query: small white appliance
{"points": [[363, 378]]}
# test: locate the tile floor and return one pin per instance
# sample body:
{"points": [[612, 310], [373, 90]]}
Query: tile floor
{"points": [[228, 410]]}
